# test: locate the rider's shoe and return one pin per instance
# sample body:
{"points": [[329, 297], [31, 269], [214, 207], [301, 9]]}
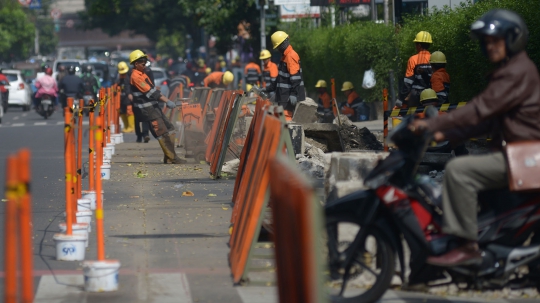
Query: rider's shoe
{"points": [[468, 254]]}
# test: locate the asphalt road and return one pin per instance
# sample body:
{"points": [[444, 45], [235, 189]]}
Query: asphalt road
{"points": [[172, 248]]}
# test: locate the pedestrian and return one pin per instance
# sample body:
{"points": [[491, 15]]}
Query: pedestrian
{"points": [[289, 84], [418, 74], [354, 108], [146, 107], [508, 109], [440, 80], [126, 109], [270, 69], [218, 79]]}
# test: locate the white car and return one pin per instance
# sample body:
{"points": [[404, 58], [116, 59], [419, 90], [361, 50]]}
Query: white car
{"points": [[20, 93], [160, 79]]}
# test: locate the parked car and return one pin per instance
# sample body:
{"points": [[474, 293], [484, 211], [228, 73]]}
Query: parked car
{"points": [[20, 93], [161, 80]]}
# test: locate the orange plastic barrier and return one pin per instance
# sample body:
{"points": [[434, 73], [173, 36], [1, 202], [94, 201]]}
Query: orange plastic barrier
{"points": [[220, 119], [248, 209], [69, 165], [223, 133], [18, 229]]}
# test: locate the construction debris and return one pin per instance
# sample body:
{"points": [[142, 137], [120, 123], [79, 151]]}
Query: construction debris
{"points": [[313, 161], [306, 112], [231, 167]]}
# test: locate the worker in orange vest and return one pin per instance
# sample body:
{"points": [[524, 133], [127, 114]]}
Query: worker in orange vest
{"points": [[252, 72], [270, 70], [355, 108], [324, 107], [218, 79], [440, 80], [418, 74]]}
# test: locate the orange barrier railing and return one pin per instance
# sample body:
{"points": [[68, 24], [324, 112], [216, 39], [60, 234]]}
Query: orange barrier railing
{"points": [[220, 118], [18, 247], [297, 227]]}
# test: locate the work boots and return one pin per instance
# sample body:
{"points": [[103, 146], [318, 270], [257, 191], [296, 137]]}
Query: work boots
{"points": [[129, 123], [167, 145]]}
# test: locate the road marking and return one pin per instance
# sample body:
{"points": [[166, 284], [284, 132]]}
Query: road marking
{"points": [[24, 115], [258, 294], [40, 123], [17, 124], [16, 118], [86, 123], [67, 289], [60, 123]]}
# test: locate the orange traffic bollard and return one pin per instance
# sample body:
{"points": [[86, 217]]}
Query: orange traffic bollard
{"points": [[10, 237], [99, 204], [68, 168], [25, 227], [78, 194], [91, 148]]}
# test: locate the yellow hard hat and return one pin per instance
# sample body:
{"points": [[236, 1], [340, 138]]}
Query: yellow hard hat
{"points": [[248, 87], [278, 38], [228, 77], [208, 70], [423, 37], [222, 63], [136, 55], [200, 62], [347, 86], [265, 54], [437, 57], [320, 83], [122, 68], [428, 94], [221, 58]]}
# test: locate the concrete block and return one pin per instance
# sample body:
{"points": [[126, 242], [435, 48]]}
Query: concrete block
{"points": [[297, 137], [305, 112], [325, 133], [347, 171]]}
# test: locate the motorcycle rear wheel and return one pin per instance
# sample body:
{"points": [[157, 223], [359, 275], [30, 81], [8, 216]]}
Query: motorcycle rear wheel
{"points": [[373, 266]]}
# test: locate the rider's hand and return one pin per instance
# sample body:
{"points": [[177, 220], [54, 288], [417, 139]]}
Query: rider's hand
{"points": [[439, 137], [418, 126], [170, 104]]}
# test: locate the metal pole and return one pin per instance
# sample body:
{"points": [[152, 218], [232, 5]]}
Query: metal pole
{"points": [[392, 90], [36, 41], [386, 12], [263, 35], [373, 12]]}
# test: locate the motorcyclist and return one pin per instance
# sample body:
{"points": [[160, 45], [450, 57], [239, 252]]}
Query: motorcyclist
{"points": [[70, 86], [46, 85], [508, 109], [91, 82]]}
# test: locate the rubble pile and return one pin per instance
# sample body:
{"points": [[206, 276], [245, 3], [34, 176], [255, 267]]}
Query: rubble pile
{"points": [[231, 167], [312, 162], [358, 138]]}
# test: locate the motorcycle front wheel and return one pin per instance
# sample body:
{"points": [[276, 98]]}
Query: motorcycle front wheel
{"points": [[370, 273]]}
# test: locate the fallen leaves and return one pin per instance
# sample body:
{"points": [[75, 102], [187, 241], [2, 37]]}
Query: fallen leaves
{"points": [[212, 195], [188, 193]]}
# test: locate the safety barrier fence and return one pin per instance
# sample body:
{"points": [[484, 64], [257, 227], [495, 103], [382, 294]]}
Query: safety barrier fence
{"points": [[297, 225], [18, 250]]}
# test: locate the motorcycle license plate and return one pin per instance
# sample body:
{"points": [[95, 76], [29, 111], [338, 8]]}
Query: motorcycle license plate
{"points": [[46, 102]]}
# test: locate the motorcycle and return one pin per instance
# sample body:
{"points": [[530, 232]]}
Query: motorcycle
{"points": [[46, 106], [365, 231], [87, 97]]}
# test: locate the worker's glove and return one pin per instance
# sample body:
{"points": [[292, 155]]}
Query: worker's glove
{"points": [[399, 103], [170, 104], [293, 100]]}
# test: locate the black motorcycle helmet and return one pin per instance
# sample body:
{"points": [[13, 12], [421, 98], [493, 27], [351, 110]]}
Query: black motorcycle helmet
{"points": [[505, 24], [72, 70], [89, 69]]}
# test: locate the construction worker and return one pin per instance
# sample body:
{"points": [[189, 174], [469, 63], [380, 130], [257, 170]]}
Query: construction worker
{"points": [[440, 80], [355, 108], [289, 84], [252, 72], [146, 107], [418, 74], [429, 97], [325, 101], [270, 69], [126, 109], [218, 79]]}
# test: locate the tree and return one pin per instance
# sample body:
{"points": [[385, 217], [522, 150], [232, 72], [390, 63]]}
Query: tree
{"points": [[16, 32]]}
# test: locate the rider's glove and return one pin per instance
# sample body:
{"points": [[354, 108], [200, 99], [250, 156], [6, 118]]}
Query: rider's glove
{"points": [[399, 103], [170, 104]]}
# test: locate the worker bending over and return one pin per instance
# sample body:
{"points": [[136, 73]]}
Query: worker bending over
{"points": [[218, 79]]}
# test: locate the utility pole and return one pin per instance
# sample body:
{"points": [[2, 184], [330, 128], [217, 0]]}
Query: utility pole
{"points": [[373, 11], [386, 12], [36, 41]]}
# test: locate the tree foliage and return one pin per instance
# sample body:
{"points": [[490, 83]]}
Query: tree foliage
{"points": [[16, 32], [167, 22]]}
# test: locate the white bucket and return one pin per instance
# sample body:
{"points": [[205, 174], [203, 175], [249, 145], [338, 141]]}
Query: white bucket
{"points": [[77, 229], [84, 204], [106, 162], [105, 172], [70, 248], [107, 153], [101, 276], [111, 145], [90, 194], [113, 128], [116, 138], [85, 217], [121, 136]]}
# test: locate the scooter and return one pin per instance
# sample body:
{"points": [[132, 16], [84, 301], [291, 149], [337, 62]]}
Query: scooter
{"points": [[365, 231], [87, 97], [46, 106]]}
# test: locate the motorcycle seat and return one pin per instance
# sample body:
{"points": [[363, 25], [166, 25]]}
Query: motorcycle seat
{"points": [[503, 200]]}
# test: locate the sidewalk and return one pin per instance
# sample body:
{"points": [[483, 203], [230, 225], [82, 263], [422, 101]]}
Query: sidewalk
{"points": [[172, 248]]}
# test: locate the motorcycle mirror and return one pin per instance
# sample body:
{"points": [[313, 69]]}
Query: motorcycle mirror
{"points": [[431, 112]]}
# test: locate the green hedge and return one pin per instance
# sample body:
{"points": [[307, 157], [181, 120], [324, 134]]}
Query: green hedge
{"points": [[345, 52]]}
